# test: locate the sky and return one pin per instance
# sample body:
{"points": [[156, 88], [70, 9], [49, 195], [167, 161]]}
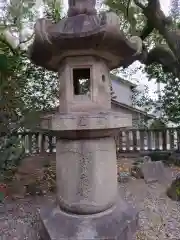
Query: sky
{"points": [[165, 5], [142, 79]]}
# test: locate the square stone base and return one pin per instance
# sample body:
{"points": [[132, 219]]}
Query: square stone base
{"points": [[118, 223]]}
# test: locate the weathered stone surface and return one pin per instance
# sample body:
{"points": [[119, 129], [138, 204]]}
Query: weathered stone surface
{"points": [[118, 223], [81, 116], [84, 34], [149, 171], [156, 172], [86, 171], [75, 126], [86, 174], [108, 120], [98, 98]]}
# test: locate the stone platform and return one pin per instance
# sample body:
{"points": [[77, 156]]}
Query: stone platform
{"points": [[117, 223]]}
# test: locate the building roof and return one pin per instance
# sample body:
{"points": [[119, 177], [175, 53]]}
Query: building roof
{"points": [[119, 79], [125, 106], [122, 105]]}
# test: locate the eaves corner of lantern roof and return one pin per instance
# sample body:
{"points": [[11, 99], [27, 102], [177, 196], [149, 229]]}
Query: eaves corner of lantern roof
{"points": [[97, 35]]}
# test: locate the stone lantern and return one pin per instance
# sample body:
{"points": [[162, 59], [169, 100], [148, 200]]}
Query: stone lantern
{"points": [[83, 48]]}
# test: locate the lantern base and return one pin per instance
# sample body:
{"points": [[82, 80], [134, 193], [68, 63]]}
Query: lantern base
{"points": [[119, 222]]}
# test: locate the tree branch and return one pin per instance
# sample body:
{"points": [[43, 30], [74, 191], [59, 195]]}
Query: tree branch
{"points": [[168, 57], [139, 4]]}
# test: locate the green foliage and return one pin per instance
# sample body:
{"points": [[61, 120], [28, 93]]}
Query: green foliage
{"points": [[159, 156], [135, 21], [141, 98], [21, 82], [173, 191], [158, 124], [11, 151], [11, 154], [170, 95], [168, 158], [178, 191], [123, 8], [173, 160], [24, 88], [41, 89], [53, 10], [2, 196], [156, 71], [10, 85], [171, 100]]}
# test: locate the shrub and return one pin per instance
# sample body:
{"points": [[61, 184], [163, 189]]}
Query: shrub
{"points": [[173, 191], [159, 156], [11, 154], [175, 159], [168, 158]]}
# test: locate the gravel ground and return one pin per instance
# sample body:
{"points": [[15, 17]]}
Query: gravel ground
{"points": [[159, 216], [19, 219]]}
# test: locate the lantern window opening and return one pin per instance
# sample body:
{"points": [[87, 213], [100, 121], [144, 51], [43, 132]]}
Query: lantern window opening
{"points": [[81, 81]]}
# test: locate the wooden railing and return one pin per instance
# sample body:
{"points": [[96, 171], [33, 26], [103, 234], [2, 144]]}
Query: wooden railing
{"points": [[36, 142], [127, 140], [133, 140]]}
